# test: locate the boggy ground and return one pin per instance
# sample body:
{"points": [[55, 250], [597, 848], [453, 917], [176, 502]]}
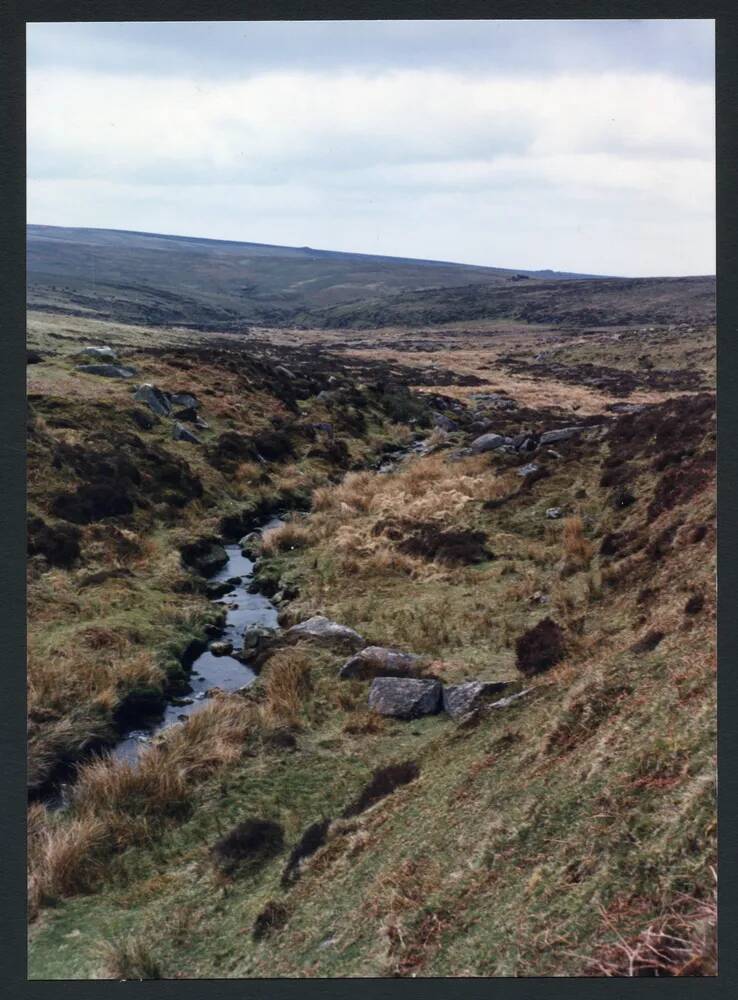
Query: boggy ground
{"points": [[572, 833]]}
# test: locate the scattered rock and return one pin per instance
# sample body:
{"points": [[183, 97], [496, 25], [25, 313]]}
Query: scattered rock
{"points": [[445, 423], [323, 630], [564, 434], [255, 638], [222, 647], [205, 555], [154, 398], [531, 469], [184, 399], [101, 353], [378, 661], [495, 400], [626, 407], [404, 698], [554, 513], [460, 700], [489, 442], [180, 433], [250, 544], [510, 699], [143, 420], [189, 414], [107, 371]]}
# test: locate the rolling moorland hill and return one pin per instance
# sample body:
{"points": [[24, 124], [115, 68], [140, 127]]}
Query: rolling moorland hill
{"points": [[520, 512], [215, 284]]}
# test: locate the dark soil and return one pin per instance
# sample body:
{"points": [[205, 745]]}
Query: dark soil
{"points": [[428, 541], [540, 648], [273, 917], [384, 781], [648, 642], [312, 839], [616, 381], [59, 544], [253, 841]]}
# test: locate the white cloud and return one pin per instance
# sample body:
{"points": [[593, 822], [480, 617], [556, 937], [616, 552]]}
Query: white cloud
{"points": [[608, 172]]}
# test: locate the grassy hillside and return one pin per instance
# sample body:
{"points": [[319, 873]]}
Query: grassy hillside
{"points": [[216, 284], [569, 833]]}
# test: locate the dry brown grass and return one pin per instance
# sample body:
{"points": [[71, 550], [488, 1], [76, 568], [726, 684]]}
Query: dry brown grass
{"points": [[290, 535], [680, 943], [115, 804], [63, 858], [287, 682], [578, 550]]}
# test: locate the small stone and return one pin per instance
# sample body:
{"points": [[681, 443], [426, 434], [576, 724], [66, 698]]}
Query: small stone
{"points": [[184, 399], [564, 434], [221, 647], [528, 470], [445, 423], [101, 353], [460, 700], [154, 398], [180, 433], [554, 513], [107, 371], [489, 442]]}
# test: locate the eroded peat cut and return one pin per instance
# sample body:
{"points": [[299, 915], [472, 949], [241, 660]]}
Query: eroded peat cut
{"points": [[335, 689]]}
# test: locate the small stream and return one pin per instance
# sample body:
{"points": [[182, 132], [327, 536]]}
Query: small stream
{"points": [[244, 611]]}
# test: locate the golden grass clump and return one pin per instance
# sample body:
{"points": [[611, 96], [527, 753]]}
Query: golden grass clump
{"points": [[578, 550], [63, 858], [290, 535], [116, 804], [287, 682]]}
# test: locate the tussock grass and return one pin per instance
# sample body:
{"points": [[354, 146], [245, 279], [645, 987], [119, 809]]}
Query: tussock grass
{"points": [[63, 859], [283, 538], [115, 804], [129, 958], [578, 550], [287, 682]]}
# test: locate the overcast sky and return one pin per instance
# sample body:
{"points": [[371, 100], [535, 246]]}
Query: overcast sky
{"points": [[577, 145]]}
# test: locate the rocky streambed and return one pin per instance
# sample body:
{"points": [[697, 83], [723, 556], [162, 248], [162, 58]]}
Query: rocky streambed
{"points": [[214, 668]]}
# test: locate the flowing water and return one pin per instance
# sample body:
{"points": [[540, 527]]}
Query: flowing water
{"points": [[244, 611]]}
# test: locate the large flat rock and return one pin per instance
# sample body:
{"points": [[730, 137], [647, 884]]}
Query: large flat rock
{"points": [[404, 698], [378, 661], [323, 630]]}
